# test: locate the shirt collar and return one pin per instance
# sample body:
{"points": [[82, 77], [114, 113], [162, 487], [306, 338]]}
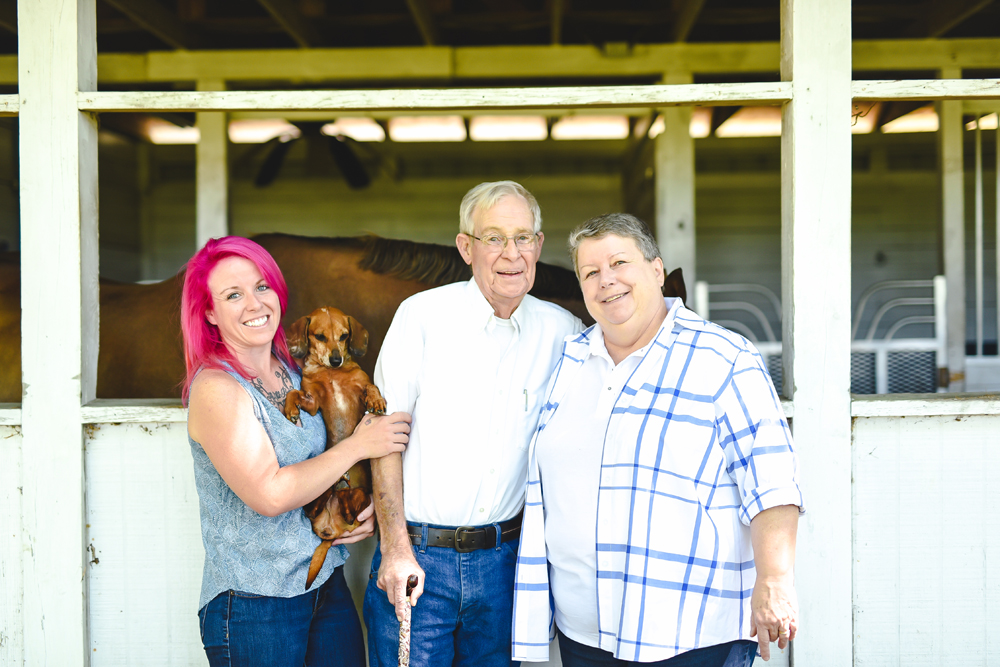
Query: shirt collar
{"points": [[599, 349], [481, 313]]}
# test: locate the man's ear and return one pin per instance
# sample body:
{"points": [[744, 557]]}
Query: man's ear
{"points": [[464, 244]]}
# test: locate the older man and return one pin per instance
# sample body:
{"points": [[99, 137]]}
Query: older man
{"points": [[470, 362]]}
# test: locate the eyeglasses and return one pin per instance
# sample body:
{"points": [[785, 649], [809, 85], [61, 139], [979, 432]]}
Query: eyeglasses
{"points": [[498, 242]]}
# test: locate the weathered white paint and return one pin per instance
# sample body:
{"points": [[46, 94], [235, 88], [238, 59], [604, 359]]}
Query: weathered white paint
{"points": [[926, 89], [978, 262], [952, 170], [58, 187], [9, 105], [456, 99], [11, 548], [816, 244], [211, 171], [133, 411], [10, 414], [925, 405], [674, 160], [926, 540]]}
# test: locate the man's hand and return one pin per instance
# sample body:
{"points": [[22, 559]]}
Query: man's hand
{"points": [[397, 566], [774, 613]]}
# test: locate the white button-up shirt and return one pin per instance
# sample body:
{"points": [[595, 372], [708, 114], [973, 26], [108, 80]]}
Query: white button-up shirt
{"points": [[474, 386]]}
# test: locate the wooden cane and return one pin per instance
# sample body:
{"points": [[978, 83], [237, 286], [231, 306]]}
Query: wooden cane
{"points": [[404, 625]]}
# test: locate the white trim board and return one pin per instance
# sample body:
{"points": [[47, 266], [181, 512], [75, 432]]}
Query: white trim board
{"points": [[925, 405]]}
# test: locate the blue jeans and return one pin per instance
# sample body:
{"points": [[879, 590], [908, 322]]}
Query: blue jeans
{"points": [[318, 628], [463, 617], [739, 653]]}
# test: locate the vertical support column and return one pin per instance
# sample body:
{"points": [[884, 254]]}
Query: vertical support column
{"points": [[951, 161], [816, 313], [58, 160], [674, 160], [212, 171]]}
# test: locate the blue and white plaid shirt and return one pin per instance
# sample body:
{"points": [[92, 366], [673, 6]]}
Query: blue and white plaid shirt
{"points": [[697, 445]]}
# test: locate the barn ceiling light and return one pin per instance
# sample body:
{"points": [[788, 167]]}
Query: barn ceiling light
{"points": [[359, 129], [591, 127], [508, 128], [700, 127], [923, 119], [163, 132], [260, 130], [752, 122], [989, 123], [427, 128]]}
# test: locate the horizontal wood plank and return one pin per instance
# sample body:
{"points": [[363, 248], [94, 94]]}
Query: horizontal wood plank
{"points": [[134, 411], [925, 405], [452, 99], [927, 89]]}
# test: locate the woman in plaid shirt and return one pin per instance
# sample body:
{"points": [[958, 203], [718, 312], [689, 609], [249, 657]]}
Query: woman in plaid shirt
{"points": [[666, 533]]}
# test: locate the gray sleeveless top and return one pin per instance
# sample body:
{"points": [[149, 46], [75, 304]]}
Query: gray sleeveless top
{"points": [[248, 552]]}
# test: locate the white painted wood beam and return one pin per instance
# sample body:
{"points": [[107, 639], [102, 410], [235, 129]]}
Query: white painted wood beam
{"points": [[925, 405], [457, 99], [58, 189], [952, 169], [211, 171], [816, 313], [927, 89], [941, 17], [425, 22], [685, 15], [674, 188], [293, 22], [156, 19]]}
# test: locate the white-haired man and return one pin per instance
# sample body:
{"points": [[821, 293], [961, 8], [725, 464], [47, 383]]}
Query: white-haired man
{"points": [[470, 362]]}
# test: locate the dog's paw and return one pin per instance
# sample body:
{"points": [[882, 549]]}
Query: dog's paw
{"points": [[293, 415], [376, 405]]}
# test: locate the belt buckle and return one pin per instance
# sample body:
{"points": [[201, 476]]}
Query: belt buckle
{"points": [[458, 540]]}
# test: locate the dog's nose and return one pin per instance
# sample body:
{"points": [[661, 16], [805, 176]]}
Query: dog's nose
{"points": [[336, 360]]}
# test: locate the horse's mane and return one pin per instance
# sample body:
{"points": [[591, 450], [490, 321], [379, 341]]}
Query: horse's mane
{"points": [[435, 264]]}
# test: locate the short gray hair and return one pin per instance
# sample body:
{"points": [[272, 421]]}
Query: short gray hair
{"points": [[624, 225], [485, 196]]}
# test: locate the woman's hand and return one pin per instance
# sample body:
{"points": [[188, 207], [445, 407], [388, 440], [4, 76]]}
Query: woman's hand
{"points": [[364, 531], [379, 435], [774, 613]]}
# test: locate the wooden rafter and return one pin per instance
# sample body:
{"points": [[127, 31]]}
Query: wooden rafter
{"points": [[557, 8], [425, 22], [8, 16], [685, 14], [156, 19], [293, 22], [940, 17]]}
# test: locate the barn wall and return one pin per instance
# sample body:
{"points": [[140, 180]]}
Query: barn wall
{"points": [[11, 592], [926, 540]]}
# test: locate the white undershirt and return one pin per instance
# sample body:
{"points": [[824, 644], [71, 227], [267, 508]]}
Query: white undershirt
{"points": [[569, 451]]}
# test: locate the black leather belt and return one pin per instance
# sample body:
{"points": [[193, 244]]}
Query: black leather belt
{"points": [[466, 538]]}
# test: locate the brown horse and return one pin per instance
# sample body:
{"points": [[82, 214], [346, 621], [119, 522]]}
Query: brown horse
{"points": [[367, 277]]}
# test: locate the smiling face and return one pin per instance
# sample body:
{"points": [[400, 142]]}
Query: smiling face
{"points": [[244, 306], [504, 276], [622, 290]]}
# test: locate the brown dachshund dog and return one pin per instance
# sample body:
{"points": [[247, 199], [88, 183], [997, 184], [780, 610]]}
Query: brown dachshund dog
{"points": [[327, 341]]}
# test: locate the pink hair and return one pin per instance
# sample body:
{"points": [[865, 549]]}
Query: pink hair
{"points": [[203, 344]]}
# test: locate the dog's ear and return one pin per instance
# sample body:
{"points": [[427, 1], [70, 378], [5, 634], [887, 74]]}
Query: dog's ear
{"points": [[298, 338], [357, 344], [674, 285]]}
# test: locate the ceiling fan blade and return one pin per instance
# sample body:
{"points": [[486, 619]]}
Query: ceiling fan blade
{"points": [[347, 161], [272, 164]]}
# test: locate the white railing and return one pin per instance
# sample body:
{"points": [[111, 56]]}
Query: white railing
{"points": [[755, 323]]}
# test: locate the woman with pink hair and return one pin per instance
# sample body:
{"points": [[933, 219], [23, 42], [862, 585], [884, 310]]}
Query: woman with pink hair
{"points": [[254, 470]]}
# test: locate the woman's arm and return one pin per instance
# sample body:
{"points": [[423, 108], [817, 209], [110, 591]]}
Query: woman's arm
{"points": [[221, 419], [775, 610]]}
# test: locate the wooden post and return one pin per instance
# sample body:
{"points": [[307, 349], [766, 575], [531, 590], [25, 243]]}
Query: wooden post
{"points": [[952, 167], [212, 171], [674, 160], [816, 313], [58, 188]]}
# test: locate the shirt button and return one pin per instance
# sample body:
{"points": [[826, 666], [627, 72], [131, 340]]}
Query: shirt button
{"points": [[501, 391], [481, 509], [492, 470], [609, 388]]}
